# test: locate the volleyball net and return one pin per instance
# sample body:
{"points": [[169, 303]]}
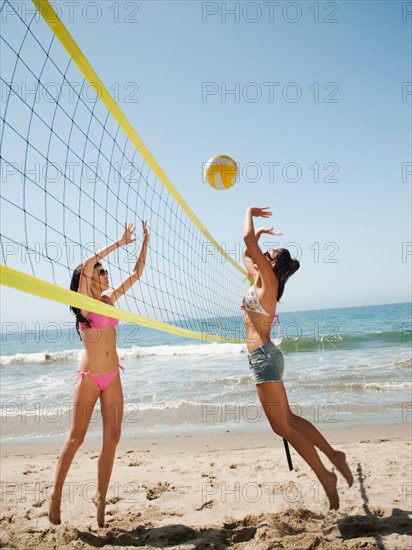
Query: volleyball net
{"points": [[73, 170]]}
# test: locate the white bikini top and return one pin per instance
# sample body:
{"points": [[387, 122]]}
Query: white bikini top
{"points": [[251, 302]]}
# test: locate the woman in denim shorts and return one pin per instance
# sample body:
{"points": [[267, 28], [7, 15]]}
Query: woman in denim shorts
{"points": [[270, 271]]}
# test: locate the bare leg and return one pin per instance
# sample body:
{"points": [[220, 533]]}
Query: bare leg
{"points": [[85, 396], [111, 401], [300, 433], [338, 458]]}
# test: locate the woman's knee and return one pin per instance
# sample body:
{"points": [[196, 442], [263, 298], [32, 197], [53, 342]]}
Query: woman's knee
{"points": [[112, 436], [76, 438], [281, 421], [284, 427]]}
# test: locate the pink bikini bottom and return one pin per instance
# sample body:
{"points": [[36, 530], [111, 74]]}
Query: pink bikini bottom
{"points": [[102, 380]]}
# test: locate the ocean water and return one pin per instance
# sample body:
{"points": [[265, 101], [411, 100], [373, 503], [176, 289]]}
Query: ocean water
{"points": [[343, 367]]}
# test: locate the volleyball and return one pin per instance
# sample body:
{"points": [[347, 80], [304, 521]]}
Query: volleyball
{"points": [[220, 172]]}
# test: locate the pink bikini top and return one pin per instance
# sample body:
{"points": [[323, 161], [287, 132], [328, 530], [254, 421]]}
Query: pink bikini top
{"points": [[99, 321]]}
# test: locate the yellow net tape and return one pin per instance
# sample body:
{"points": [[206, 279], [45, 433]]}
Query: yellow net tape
{"points": [[18, 280]]}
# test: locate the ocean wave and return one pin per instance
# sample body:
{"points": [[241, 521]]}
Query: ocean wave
{"points": [[342, 341], [56, 410], [190, 349], [51, 414], [45, 357], [359, 370], [360, 386], [231, 380], [70, 356], [286, 344]]}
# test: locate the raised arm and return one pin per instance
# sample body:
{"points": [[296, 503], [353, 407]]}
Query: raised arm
{"points": [[250, 236], [88, 265], [252, 253], [124, 286]]}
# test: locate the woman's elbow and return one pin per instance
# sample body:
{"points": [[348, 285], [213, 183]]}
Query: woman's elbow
{"points": [[249, 238]]}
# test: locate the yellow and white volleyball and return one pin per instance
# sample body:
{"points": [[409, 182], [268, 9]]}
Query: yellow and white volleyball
{"points": [[220, 172]]}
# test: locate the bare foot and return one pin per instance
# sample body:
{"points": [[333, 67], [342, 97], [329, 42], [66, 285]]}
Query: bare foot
{"points": [[342, 466], [54, 510], [100, 505], [331, 492]]}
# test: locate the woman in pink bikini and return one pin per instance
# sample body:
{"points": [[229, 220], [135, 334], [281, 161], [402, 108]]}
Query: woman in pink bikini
{"points": [[98, 375], [270, 271]]}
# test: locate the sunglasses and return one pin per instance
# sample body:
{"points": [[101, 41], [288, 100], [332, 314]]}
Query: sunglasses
{"points": [[267, 254], [102, 272]]}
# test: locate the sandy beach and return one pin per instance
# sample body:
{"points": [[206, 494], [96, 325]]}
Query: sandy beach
{"points": [[214, 492]]}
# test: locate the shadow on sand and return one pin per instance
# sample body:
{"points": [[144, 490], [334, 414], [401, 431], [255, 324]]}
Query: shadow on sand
{"points": [[171, 535], [372, 524], [291, 528]]}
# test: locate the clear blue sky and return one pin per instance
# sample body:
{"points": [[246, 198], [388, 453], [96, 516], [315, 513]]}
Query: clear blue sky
{"points": [[310, 100]]}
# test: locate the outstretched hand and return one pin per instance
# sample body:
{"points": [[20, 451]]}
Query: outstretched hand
{"points": [[269, 230], [145, 230], [261, 212], [127, 237]]}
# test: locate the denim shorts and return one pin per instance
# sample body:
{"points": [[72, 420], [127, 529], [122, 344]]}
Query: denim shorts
{"points": [[266, 363]]}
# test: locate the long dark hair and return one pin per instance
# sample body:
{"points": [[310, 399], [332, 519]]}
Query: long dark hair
{"points": [[74, 285], [286, 266]]}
